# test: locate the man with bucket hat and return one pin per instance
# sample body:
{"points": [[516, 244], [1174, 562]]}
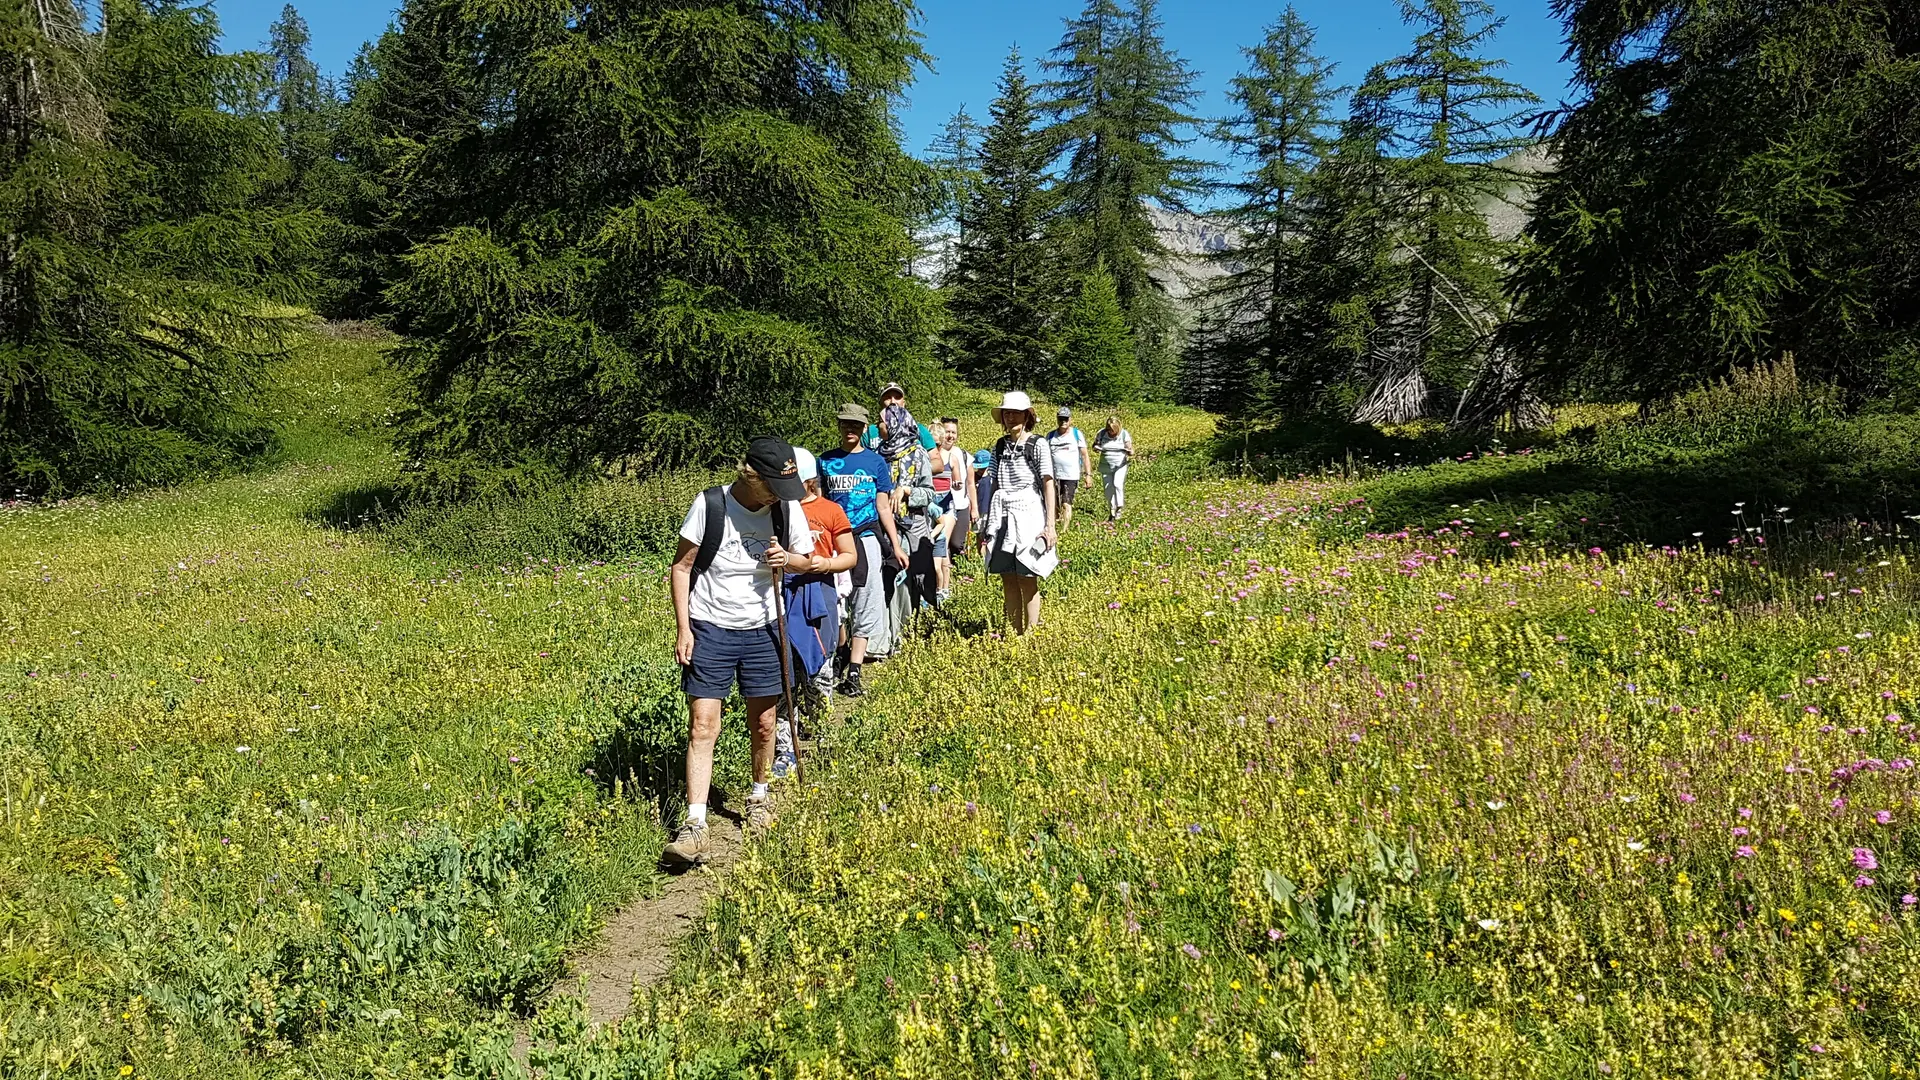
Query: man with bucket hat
{"points": [[735, 546]]}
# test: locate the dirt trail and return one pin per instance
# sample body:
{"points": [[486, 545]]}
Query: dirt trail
{"points": [[636, 945]]}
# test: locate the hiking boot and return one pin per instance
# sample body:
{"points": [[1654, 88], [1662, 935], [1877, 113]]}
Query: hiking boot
{"points": [[759, 813], [851, 687], [691, 845], [783, 765]]}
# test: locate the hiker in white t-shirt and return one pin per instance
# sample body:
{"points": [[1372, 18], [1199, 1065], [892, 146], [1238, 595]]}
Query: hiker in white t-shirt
{"points": [[723, 601], [1070, 463], [1114, 444]]}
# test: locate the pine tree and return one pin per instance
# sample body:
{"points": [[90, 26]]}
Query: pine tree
{"points": [[1258, 335], [657, 230], [1453, 118], [1097, 363], [1120, 100], [1735, 183], [136, 248], [1002, 292], [954, 156], [299, 102], [418, 85]]}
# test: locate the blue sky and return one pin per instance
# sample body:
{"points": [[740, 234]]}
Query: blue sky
{"points": [[969, 39]]}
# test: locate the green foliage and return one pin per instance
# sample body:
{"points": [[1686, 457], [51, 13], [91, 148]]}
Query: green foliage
{"points": [[1119, 99], [305, 800], [1735, 183], [676, 228], [954, 157], [139, 250], [1760, 454], [1451, 117], [1097, 361], [1004, 292], [1256, 332]]}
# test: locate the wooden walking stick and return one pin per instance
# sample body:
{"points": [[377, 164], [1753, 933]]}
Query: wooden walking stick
{"points": [[786, 667]]}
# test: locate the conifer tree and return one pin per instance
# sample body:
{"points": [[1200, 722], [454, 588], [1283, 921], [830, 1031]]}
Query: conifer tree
{"points": [[1452, 117], [1002, 292], [418, 85], [299, 101], [1097, 361], [134, 247], [1120, 99], [659, 229], [1258, 332], [954, 156], [1353, 276], [1736, 182]]}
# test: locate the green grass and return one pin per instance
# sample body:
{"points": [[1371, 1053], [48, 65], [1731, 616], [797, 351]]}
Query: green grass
{"points": [[1267, 795], [1297, 779], [278, 795]]}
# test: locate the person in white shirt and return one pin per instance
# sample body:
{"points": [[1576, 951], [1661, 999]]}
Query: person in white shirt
{"points": [[723, 602], [1070, 463], [1019, 542], [1114, 444]]}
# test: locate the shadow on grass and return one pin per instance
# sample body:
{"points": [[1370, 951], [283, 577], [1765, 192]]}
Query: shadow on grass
{"points": [[1820, 481], [364, 507]]}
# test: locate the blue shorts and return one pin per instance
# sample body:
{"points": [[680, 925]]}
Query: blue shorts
{"points": [[721, 657]]}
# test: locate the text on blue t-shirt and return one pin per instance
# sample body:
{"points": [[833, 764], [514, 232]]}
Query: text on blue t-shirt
{"points": [[855, 479]]}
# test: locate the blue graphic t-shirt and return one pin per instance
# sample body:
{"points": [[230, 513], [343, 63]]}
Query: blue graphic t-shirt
{"points": [[855, 480]]}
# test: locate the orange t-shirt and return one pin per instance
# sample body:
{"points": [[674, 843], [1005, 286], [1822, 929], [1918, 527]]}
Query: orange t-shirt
{"points": [[828, 523]]}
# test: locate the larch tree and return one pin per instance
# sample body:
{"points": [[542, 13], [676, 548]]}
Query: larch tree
{"points": [[1257, 333], [954, 158], [1452, 117], [1003, 291], [137, 249], [1737, 182]]}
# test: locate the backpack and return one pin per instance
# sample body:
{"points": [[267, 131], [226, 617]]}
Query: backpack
{"points": [[716, 502], [1032, 447]]}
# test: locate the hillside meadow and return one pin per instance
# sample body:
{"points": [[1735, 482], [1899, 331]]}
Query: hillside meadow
{"points": [[1280, 788], [1277, 792], [286, 787]]}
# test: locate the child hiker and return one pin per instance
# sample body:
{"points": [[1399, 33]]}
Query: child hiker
{"points": [[813, 608]]}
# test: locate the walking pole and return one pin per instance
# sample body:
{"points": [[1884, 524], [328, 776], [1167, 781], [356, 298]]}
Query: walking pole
{"points": [[786, 667]]}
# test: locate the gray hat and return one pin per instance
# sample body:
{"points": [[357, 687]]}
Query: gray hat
{"points": [[1065, 413], [855, 413]]}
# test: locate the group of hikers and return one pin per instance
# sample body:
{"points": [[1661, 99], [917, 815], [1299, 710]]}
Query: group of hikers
{"points": [[857, 539]]}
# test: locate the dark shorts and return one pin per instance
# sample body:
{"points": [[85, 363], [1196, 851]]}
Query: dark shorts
{"points": [[722, 657], [1063, 491]]}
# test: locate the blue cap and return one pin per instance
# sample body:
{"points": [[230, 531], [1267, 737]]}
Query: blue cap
{"points": [[983, 459]]}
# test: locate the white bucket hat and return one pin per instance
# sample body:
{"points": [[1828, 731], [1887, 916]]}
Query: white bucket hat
{"points": [[1017, 400]]}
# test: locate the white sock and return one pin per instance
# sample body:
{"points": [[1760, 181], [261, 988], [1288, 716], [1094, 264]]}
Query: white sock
{"points": [[759, 791], [697, 813]]}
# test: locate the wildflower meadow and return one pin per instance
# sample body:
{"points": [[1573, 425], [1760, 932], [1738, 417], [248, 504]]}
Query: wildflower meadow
{"points": [[1279, 788]]}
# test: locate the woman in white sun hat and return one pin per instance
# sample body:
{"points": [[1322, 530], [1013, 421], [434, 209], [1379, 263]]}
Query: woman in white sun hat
{"points": [[1018, 542]]}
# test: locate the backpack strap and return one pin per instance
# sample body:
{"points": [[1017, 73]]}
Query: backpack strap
{"points": [[716, 500], [1033, 462]]}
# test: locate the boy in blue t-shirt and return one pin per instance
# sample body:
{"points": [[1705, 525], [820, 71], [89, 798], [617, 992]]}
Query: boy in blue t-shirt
{"points": [[862, 483]]}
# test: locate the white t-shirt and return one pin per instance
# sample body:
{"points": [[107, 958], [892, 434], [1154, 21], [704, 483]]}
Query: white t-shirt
{"points": [[957, 469], [736, 592], [1066, 452], [1113, 449]]}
